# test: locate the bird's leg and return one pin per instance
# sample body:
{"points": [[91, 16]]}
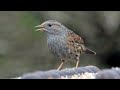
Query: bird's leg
{"points": [[77, 63], [62, 62]]}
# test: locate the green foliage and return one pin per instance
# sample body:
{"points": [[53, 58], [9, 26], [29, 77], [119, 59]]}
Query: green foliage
{"points": [[29, 21]]}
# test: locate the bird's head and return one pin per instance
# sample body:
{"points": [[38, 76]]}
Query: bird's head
{"points": [[51, 27]]}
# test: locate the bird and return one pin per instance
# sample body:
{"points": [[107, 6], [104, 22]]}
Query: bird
{"points": [[63, 42]]}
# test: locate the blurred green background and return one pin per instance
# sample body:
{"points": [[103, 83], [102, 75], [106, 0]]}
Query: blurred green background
{"points": [[23, 50]]}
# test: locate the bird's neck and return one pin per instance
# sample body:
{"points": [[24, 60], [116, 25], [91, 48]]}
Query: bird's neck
{"points": [[56, 36]]}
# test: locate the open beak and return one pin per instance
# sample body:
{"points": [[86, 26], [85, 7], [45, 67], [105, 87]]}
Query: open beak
{"points": [[40, 28]]}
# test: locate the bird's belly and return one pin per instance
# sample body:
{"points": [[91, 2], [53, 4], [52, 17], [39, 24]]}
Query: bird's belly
{"points": [[60, 49]]}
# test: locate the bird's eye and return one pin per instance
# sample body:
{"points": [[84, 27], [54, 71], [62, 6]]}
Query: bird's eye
{"points": [[49, 25]]}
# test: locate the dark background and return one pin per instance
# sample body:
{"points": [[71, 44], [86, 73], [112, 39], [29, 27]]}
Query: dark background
{"points": [[23, 50]]}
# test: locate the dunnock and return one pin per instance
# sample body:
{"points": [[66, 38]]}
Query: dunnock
{"points": [[63, 42]]}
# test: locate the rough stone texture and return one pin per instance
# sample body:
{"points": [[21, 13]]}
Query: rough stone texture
{"points": [[109, 74], [54, 74], [87, 72]]}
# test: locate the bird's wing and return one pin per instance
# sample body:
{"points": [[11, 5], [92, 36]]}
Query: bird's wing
{"points": [[75, 42], [72, 37], [78, 43]]}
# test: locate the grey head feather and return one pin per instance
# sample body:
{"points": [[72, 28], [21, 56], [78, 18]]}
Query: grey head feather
{"points": [[55, 28]]}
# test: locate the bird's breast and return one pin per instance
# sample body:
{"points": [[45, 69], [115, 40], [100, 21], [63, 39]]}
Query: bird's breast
{"points": [[58, 46]]}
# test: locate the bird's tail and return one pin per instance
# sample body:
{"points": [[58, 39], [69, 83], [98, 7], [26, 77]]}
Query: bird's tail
{"points": [[88, 51]]}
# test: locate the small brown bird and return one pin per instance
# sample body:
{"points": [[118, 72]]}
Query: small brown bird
{"points": [[63, 42]]}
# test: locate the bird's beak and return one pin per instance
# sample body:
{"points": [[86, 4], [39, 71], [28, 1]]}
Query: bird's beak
{"points": [[40, 28]]}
